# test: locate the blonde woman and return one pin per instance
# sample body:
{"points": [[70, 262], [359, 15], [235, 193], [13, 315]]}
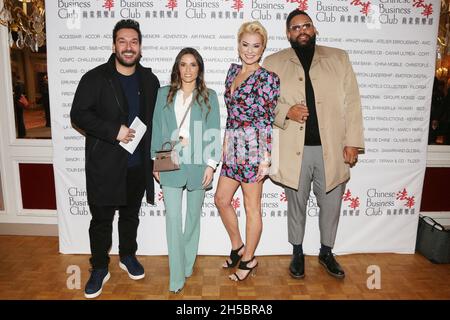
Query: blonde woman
{"points": [[251, 94]]}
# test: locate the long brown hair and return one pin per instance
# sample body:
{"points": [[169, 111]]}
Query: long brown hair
{"points": [[175, 78]]}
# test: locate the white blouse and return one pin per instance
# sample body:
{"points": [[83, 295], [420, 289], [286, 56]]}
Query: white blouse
{"points": [[180, 107]]}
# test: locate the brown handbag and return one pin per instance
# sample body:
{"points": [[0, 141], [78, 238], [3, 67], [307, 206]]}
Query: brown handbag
{"points": [[167, 159]]}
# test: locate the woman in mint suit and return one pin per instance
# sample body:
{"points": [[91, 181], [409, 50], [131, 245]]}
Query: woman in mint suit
{"points": [[199, 150]]}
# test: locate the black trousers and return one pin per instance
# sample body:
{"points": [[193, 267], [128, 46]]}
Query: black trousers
{"points": [[100, 230]]}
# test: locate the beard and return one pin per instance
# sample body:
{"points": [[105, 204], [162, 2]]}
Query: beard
{"points": [[125, 63], [296, 44]]}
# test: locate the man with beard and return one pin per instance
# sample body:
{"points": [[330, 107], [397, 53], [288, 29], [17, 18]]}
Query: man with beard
{"points": [[321, 133], [106, 102]]}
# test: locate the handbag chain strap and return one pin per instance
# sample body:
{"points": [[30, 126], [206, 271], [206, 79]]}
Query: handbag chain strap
{"points": [[174, 143], [181, 123], [185, 115]]}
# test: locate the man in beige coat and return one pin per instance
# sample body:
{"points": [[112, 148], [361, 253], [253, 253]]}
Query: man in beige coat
{"points": [[320, 134]]}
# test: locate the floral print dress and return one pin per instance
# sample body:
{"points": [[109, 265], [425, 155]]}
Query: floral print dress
{"points": [[248, 135]]}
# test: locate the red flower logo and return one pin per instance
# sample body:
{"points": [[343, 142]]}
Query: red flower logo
{"points": [[238, 5], [108, 4], [427, 7], [171, 4], [354, 202], [302, 4], [283, 197], [403, 195], [235, 203], [160, 196], [347, 195], [410, 202], [365, 6]]}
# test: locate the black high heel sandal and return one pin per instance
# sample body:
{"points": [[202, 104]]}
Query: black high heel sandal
{"points": [[243, 266], [234, 257], [177, 291]]}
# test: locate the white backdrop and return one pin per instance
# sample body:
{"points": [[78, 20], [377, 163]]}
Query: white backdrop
{"points": [[392, 47]]}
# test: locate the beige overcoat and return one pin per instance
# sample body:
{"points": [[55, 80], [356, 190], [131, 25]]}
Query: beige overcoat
{"points": [[338, 106]]}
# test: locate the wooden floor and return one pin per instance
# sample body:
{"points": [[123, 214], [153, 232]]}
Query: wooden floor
{"points": [[32, 268]]}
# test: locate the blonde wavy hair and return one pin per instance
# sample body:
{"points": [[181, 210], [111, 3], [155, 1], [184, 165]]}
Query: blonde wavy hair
{"points": [[254, 27]]}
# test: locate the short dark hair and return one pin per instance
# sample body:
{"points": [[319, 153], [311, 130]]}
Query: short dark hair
{"points": [[293, 14], [127, 24]]}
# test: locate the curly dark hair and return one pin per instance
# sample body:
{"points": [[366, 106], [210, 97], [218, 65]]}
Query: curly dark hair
{"points": [[127, 24]]}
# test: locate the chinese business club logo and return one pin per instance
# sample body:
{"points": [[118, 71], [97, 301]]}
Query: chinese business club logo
{"points": [[156, 210], [236, 203], [108, 4], [365, 6], [371, 13], [273, 204], [408, 201], [389, 203], [427, 8], [238, 5], [134, 9], [351, 202], [171, 4], [302, 4], [214, 9], [78, 205], [160, 196]]}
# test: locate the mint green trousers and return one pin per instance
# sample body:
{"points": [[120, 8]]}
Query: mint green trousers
{"points": [[182, 246]]}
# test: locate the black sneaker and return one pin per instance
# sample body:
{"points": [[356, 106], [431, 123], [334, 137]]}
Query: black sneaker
{"points": [[95, 283], [131, 265]]}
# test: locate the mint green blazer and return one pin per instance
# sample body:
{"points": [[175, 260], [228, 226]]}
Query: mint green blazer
{"points": [[204, 139]]}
